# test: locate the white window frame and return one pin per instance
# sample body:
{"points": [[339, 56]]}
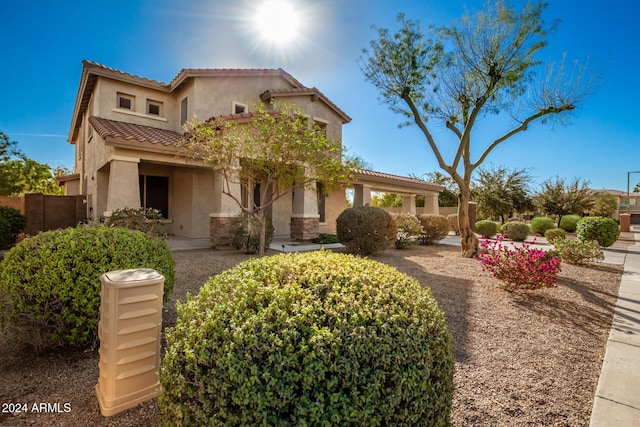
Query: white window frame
{"points": [[235, 104]]}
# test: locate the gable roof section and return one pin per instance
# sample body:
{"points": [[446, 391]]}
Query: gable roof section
{"points": [[304, 91], [380, 181], [129, 131], [92, 70]]}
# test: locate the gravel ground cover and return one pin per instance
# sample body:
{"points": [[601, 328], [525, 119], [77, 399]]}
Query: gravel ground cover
{"points": [[522, 358]]}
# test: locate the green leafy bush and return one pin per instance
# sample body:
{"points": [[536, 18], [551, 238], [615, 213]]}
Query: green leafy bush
{"points": [[146, 220], [605, 230], [540, 224], [50, 283], [569, 223], [326, 238], [453, 223], [316, 338], [12, 222], [576, 251], [516, 231], [515, 219], [486, 228], [365, 230], [408, 227], [434, 228], [554, 233], [246, 233]]}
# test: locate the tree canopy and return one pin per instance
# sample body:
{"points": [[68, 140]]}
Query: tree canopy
{"points": [[279, 149], [486, 63], [557, 197], [500, 191]]}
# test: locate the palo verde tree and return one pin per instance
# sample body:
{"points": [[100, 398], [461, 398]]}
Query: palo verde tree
{"points": [[485, 64], [278, 150]]}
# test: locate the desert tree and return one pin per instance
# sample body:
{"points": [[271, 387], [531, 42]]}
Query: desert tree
{"points": [[500, 191], [558, 197], [278, 150], [485, 64], [604, 205]]}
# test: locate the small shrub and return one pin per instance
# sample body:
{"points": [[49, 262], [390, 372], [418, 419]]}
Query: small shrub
{"points": [[50, 283], [569, 222], [408, 227], [576, 251], [486, 228], [12, 222], [146, 220], [453, 223], [604, 230], [365, 230], [245, 234], [553, 234], [519, 267], [540, 224], [325, 239], [514, 219], [516, 231], [434, 228], [316, 338]]}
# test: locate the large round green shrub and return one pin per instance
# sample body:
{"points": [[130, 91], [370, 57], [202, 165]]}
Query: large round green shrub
{"points": [[50, 283], [605, 230], [12, 222], [486, 228], [317, 338], [554, 233], [540, 224], [516, 231], [569, 223], [434, 228], [365, 230]]}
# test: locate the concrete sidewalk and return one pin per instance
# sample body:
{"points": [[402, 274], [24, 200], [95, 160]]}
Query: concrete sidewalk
{"points": [[617, 400]]}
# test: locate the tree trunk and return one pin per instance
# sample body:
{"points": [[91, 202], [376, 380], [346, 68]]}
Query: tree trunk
{"points": [[468, 240], [263, 232]]}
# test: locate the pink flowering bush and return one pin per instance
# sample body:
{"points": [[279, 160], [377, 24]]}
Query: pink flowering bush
{"points": [[519, 266]]}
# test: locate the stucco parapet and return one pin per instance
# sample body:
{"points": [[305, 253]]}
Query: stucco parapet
{"points": [[116, 157]]}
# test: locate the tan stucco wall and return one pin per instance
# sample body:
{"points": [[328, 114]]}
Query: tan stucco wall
{"points": [[281, 216], [335, 203]]}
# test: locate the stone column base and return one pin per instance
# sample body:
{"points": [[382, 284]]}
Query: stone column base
{"points": [[220, 230], [305, 228]]}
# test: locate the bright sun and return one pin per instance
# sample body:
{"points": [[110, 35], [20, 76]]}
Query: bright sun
{"points": [[277, 21]]}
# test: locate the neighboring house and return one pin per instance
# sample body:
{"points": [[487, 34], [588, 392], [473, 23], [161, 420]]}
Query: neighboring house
{"points": [[632, 206], [125, 129]]}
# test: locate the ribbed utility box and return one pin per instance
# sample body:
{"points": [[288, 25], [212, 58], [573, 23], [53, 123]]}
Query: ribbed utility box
{"points": [[130, 329]]}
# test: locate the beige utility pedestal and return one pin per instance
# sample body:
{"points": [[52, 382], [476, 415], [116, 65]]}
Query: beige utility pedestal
{"points": [[625, 222], [129, 330]]}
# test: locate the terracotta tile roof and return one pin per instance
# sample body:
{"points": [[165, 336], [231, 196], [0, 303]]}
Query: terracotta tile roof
{"points": [[94, 66], [387, 176], [129, 131], [301, 91]]}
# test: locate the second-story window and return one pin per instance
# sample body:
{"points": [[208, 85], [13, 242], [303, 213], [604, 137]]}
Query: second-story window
{"points": [[154, 108], [239, 108], [183, 109], [126, 102]]}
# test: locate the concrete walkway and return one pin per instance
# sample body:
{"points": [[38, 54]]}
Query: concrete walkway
{"points": [[617, 400]]}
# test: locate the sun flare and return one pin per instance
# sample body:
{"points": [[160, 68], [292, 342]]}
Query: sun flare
{"points": [[277, 21]]}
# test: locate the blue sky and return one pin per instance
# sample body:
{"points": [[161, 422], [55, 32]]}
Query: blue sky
{"points": [[44, 42]]}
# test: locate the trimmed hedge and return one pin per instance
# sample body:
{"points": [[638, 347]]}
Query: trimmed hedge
{"points": [[50, 283], [569, 223], [486, 228], [516, 231], [316, 338], [12, 222], [365, 230], [554, 233], [540, 224], [434, 228], [605, 230]]}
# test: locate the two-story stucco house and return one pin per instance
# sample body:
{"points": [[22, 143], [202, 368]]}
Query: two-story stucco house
{"points": [[125, 129]]}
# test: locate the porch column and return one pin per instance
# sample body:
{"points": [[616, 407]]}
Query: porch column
{"points": [[124, 184], [362, 195], [409, 204], [305, 220], [225, 209], [431, 203]]}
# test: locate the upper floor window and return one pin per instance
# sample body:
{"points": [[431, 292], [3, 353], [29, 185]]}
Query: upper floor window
{"points": [[126, 102], [183, 109], [154, 108], [239, 108]]}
